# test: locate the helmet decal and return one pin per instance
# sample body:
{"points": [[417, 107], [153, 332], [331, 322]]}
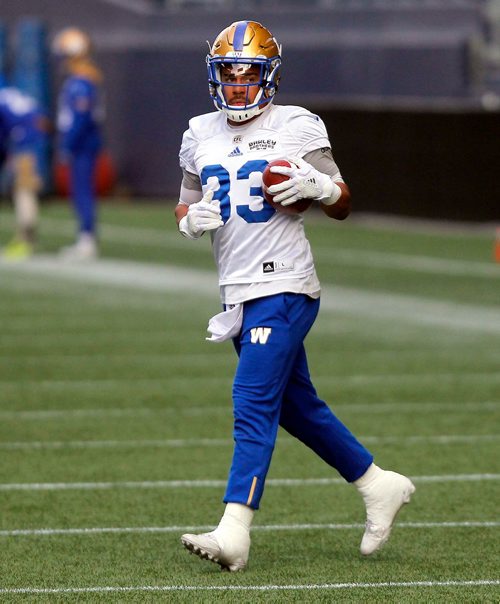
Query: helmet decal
{"points": [[239, 35]]}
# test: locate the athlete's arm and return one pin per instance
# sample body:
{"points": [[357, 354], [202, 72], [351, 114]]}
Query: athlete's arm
{"points": [[341, 209], [195, 212], [190, 193], [322, 160], [79, 104]]}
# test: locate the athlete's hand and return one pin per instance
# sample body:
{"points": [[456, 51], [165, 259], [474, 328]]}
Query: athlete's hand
{"points": [[202, 216], [304, 182]]}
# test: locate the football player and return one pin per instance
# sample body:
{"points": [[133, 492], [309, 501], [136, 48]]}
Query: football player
{"points": [[22, 128], [79, 121], [268, 284]]}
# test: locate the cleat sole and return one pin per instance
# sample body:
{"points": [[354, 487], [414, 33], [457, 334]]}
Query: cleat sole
{"points": [[204, 555]]}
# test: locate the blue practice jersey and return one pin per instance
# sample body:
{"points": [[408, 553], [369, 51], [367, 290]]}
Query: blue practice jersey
{"points": [[19, 120], [80, 114]]}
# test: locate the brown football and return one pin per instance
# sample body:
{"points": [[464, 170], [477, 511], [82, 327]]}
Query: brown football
{"points": [[271, 178]]}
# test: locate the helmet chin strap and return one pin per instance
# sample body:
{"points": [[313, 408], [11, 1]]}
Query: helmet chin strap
{"points": [[243, 115], [239, 115]]}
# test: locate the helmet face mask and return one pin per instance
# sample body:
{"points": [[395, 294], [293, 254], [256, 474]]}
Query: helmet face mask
{"points": [[246, 57]]}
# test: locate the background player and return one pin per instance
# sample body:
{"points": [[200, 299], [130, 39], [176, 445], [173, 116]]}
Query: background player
{"points": [[79, 122], [268, 283], [22, 128]]}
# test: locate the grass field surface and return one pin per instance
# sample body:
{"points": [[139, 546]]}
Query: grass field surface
{"points": [[115, 418]]}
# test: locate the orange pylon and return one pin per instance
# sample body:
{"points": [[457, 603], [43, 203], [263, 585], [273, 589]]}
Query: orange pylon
{"points": [[496, 247]]}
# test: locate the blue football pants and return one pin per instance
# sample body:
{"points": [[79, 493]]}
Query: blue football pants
{"points": [[82, 190], [272, 387]]}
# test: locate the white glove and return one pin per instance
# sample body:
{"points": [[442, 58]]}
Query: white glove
{"points": [[304, 182], [202, 216]]}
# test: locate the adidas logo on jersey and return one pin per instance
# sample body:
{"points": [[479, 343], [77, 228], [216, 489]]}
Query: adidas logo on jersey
{"points": [[235, 152], [277, 266], [260, 335]]}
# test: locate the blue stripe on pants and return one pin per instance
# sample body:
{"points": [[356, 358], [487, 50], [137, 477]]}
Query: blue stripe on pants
{"points": [[271, 387]]}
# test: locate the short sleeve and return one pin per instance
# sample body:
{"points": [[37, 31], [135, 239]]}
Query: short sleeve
{"points": [[188, 148], [309, 132]]}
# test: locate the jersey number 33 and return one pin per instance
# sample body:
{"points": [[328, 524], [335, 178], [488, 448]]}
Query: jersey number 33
{"points": [[222, 194]]}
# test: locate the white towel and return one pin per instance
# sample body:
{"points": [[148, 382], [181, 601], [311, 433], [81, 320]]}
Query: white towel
{"points": [[226, 324]]}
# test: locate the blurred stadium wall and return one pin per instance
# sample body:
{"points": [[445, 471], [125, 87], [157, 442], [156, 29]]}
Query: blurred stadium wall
{"points": [[409, 89]]}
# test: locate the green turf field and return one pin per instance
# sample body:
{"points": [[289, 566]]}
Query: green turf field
{"points": [[115, 418]]}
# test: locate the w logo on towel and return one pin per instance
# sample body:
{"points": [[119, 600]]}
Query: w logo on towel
{"points": [[260, 335]]}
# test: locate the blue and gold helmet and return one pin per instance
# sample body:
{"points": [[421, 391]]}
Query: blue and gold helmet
{"points": [[71, 43], [239, 47]]}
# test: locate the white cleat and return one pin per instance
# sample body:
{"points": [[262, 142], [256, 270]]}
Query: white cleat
{"points": [[210, 546], [383, 497], [84, 250]]}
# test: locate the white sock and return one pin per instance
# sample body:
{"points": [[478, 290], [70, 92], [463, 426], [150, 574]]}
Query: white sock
{"points": [[86, 238], [371, 474], [236, 516], [26, 209]]}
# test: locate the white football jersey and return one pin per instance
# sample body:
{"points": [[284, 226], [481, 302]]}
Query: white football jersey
{"points": [[258, 249]]}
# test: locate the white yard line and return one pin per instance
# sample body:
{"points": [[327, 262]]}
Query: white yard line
{"points": [[48, 532], [376, 305], [77, 414], [208, 410], [116, 444], [351, 256], [411, 309], [406, 378], [246, 588], [176, 443], [344, 378], [121, 273], [405, 262], [182, 484]]}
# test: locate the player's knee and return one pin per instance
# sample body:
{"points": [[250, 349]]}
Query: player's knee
{"points": [[26, 176]]}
